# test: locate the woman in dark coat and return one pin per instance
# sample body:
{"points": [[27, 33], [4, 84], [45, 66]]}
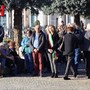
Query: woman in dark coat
{"points": [[52, 40], [86, 49]]}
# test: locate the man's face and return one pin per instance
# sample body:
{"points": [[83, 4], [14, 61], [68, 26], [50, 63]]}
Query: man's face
{"points": [[37, 28]]}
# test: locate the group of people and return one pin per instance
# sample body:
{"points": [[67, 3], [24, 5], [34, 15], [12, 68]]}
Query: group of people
{"points": [[49, 45], [10, 62]]}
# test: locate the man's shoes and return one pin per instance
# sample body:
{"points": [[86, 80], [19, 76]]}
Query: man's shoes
{"points": [[52, 76], [75, 75], [66, 78], [88, 77], [56, 75]]}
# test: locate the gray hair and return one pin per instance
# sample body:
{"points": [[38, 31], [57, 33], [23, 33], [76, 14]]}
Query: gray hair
{"points": [[88, 27]]}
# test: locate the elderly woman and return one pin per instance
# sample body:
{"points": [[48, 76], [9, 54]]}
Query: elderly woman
{"points": [[27, 51], [86, 49]]}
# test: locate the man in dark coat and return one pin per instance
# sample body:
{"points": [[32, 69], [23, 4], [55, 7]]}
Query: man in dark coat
{"points": [[70, 43], [37, 43]]}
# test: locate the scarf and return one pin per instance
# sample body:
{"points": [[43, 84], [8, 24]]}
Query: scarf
{"points": [[54, 54]]}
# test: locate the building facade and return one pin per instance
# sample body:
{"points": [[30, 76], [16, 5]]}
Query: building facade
{"points": [[28, 20]]}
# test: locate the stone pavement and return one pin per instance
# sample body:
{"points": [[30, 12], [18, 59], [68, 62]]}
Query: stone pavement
{"points": [[46, 83]]}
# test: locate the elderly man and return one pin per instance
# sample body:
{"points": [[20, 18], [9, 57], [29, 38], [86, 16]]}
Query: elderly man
{"points": [[37, 43]]}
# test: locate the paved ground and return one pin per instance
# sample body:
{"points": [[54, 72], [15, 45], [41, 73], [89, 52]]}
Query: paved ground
{"points": [[46, 83]]}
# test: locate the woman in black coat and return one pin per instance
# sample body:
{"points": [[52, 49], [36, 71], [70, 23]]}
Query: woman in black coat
{"points": [[52, 39]]}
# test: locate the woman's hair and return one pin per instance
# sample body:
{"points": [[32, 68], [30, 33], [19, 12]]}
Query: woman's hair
{"points": [[71, 29], [12, 43], [28, 30], [53, 28]]}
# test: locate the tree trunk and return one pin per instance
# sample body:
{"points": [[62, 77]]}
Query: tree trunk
{"points": [[17, 27], [77, 19]]}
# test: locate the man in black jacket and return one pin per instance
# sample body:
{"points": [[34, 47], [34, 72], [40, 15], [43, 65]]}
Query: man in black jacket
{"points": [[37, 43], [70, 43]]}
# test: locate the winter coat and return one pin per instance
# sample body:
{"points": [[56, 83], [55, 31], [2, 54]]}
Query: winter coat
{"points": [[70, 43], [25, 45], [41, 41], [86, 42]]}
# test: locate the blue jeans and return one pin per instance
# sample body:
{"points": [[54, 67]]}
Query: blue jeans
{"points": [[2, 61], [77, 55], [77, 58], [29, 62]]}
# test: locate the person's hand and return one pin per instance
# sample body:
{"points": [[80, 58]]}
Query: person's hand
{"points": [[35, 50], [17, 57], [10, 57], [50, 50]]}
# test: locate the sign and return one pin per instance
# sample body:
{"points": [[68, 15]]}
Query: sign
{"points": [[2, 10]]}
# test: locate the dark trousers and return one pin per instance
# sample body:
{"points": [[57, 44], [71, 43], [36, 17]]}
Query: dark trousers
{"points": [[20, 65], [38, 63], [29, 62], [70, 65], [87, 62], [11, 67], [46, 62]]}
